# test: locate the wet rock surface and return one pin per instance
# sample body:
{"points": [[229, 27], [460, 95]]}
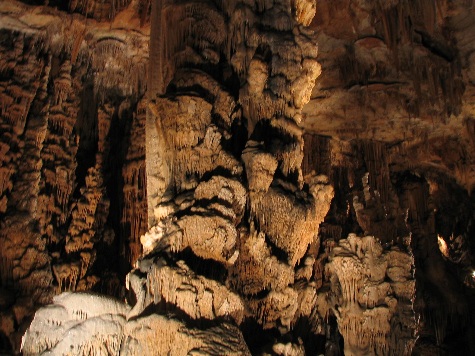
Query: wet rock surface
{"points": [[251, 177]]}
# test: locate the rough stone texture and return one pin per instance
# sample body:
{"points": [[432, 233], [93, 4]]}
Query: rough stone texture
{"points": [[231, 153], [371, 295], [71, 96], [66, 327]]}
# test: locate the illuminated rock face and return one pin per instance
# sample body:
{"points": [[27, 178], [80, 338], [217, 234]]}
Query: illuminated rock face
{"points": [[371, 293], [230, 155], [82, 324], [72, 191], [230, 191]]}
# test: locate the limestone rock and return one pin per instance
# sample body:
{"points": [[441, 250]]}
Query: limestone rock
{"points": [[85, 324], [230, 154], [366, 305]]}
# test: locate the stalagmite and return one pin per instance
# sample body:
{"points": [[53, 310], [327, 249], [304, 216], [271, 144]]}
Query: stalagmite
{"points": [[367, 304], [197, 296], [256, 270], [281, 177], [176, 338], [289, 223]]}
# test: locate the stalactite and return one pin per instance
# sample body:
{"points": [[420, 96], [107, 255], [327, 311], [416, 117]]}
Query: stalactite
{"points": [[100, 10], [49, 77], [368, 304], [6, 270], [375, 158], [181, 287], [256, 269], [216, 70], [283, 218], [317, 152]]}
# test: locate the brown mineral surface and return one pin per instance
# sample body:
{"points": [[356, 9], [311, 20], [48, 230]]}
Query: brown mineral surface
{"points": [[237, 177]]}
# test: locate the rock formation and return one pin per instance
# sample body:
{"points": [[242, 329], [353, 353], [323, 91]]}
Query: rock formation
{"points": [[280, 177], [372, 290]]}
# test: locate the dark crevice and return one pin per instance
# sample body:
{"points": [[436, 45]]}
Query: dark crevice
{"points": [[5, 345], [172, 311], [437, 47], [119, 140], [86, 129], [236, 144], [206, 203], [195, 90], [313, 343], [368, 82], [256, 337], [203, 212], [208, 268], [279, 253], [271, 136], [218, 171]]}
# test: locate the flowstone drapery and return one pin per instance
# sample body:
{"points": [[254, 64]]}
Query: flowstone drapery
{"points": [[231, 154], [231, 213], [372, 291], [230, 169]]}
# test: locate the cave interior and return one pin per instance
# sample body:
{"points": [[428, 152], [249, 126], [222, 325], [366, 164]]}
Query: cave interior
{"points": [[237, 177]]}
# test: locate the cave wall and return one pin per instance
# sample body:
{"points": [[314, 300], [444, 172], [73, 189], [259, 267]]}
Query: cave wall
{"points": [[306, 186], [393, 107], [73, 195]]}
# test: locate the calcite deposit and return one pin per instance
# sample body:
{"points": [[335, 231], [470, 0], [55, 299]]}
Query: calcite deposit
{"points": [[371, 296], [266, 177]]}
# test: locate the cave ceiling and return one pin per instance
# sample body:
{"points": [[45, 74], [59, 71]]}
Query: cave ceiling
{"points": [[282, 177]]}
